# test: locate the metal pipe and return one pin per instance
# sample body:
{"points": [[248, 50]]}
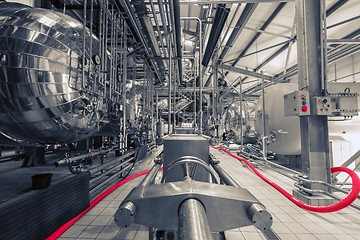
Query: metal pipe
{"points": [[84, 48], [241, 115], [132, 21], [157, 25], [124, 72], [149, 178], [68, 160], [354, 193], [193, 223], [224, 176], [300, 179], [169, 86], [176, 11], [219, 21]]}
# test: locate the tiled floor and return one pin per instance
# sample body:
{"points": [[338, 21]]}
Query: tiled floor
{"points": [[290, 222]]}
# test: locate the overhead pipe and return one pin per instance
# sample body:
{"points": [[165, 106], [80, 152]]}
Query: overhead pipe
{"points": [[125, 7], [70, 160], [146, 24], [349, 199], [218, 24], [176, 11]]}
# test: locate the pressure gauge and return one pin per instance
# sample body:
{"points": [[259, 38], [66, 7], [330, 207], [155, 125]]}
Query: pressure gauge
{"points": [[97, 59]]}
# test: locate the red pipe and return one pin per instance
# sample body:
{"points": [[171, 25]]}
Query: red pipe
{"points": [[68, 224], [353, 194]]}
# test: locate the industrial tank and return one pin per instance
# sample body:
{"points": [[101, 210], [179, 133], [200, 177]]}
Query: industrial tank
{"points": [[45, 96], [283, 131]]}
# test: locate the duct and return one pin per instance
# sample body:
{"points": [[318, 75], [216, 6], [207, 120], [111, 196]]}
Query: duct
{"points": [[218, 24]]}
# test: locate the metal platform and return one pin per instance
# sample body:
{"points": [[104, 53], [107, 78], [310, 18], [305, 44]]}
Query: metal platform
{"points": [[290, 222]]}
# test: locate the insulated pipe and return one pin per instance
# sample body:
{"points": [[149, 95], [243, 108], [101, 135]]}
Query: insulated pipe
{"points": [[193, 223], [176, 8], [353, 194], [219, 21]]}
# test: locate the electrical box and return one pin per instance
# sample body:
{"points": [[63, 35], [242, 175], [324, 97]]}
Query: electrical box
{"points": [[323, 106], [297, 103]]}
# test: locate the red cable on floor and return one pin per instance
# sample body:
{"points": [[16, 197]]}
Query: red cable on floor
{"points": [[353, 194], [71, 222]]}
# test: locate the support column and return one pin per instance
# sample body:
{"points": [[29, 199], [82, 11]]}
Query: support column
{"points": [[312, 77]]}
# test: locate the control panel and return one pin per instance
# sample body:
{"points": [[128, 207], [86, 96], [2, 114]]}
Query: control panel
{"points": [[297, 103], [323, 106]]}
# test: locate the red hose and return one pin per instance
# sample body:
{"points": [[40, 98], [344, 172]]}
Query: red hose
{"points": [[68, 224], [353, 194]]}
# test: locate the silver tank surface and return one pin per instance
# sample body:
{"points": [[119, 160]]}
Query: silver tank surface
{"points": [[43, 97]]}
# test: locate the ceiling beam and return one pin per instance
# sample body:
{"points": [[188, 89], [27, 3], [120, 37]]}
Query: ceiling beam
{"points": [[335, 7], [257, 35], [239, 26], [246, 72], [329, 11]]}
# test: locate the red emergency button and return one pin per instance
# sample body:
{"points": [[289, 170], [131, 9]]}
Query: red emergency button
{"points": [[304, 108]]}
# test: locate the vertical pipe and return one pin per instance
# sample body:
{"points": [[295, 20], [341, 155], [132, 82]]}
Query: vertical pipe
{"points": [[193, 223], [264, 137], [175, 82], [157, 106], [124, 53], [91, 37], [84, 47], [200, 75], [169, 85], [241, 115], [195, 115]]}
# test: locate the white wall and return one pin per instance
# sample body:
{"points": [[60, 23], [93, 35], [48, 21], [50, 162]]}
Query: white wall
{"points": [[345, 70], [27, 2]]}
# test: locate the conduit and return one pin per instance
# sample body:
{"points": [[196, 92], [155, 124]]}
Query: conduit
{"points": [[353, 194], [68, 224]]}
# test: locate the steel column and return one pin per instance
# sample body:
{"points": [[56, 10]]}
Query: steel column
{"points": [[314, 129]]}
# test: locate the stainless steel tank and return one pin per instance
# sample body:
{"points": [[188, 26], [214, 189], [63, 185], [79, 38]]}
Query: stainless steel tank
{"points": [[43, 95], [283, 131]]}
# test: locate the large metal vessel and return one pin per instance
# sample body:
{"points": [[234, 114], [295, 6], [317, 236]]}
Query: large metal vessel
{"points": [[283, 131], [51, 82]]}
